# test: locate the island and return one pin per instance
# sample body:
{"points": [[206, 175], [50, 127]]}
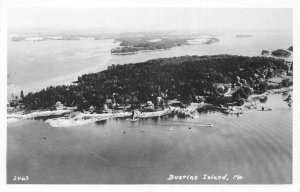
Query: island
{"points": [[265, 52], [212, 40], [157, 87], [147, 43], [243, 36], [84, 34], [290, 48], [281, 53]]}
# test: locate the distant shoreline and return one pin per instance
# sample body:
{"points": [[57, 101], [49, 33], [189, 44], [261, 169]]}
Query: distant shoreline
{"points": [[140, 51], [126, 53], [243, 36]]}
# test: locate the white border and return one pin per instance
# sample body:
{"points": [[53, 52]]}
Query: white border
{"points": [[4, 4]]}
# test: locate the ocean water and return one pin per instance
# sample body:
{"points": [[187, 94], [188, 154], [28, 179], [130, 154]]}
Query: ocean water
{"points": [[256, 146], [36, 65]]}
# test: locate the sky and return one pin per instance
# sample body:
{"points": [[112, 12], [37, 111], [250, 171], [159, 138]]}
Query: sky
{"points": [[153, 19]]}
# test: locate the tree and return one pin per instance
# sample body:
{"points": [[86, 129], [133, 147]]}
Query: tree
{"points": [[285, 82], [263, 87]]}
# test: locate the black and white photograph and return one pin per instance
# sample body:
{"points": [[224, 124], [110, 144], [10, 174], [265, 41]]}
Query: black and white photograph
{"points": [[149, 95]]}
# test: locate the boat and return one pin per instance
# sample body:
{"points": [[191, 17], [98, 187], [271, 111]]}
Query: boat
{"points": [[265, 109], [209, 124], [133, 117], [205, 125], [132, 120]]}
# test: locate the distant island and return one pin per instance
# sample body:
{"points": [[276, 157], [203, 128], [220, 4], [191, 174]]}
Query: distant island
{"points": [[243, 36], [278, 53], [265, 52], [281, 53], [145, 43], [131, 45], [38, 38], [212, 40], [60, 36]]}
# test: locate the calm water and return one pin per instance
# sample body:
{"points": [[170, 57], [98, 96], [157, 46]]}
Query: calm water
{"points": [[257, 145], [35, 65]]}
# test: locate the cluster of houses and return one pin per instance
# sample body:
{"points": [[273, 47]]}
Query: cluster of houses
{"points": [[110, 105]]}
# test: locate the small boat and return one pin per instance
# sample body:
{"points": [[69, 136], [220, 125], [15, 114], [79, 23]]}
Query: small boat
{"points": [[205, 125], [132, 120], [265, 109]]}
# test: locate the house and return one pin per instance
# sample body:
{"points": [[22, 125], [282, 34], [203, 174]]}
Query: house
{"points": [[124, 107], [200, 98], [159, 99], [105, 106], [283, 72], [220, 88], [108, 103], [149, 103], [92, 108], [243, 81], [115, 105], [58, 105], [255, 76], [174, 103]]}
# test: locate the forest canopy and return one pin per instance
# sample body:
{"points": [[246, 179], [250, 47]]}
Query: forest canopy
{"points": [[180, 78]]}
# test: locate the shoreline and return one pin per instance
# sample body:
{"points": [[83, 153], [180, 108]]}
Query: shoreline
{"points": [[68, 116], [141, 51], [126, 53], [252, 103]]}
